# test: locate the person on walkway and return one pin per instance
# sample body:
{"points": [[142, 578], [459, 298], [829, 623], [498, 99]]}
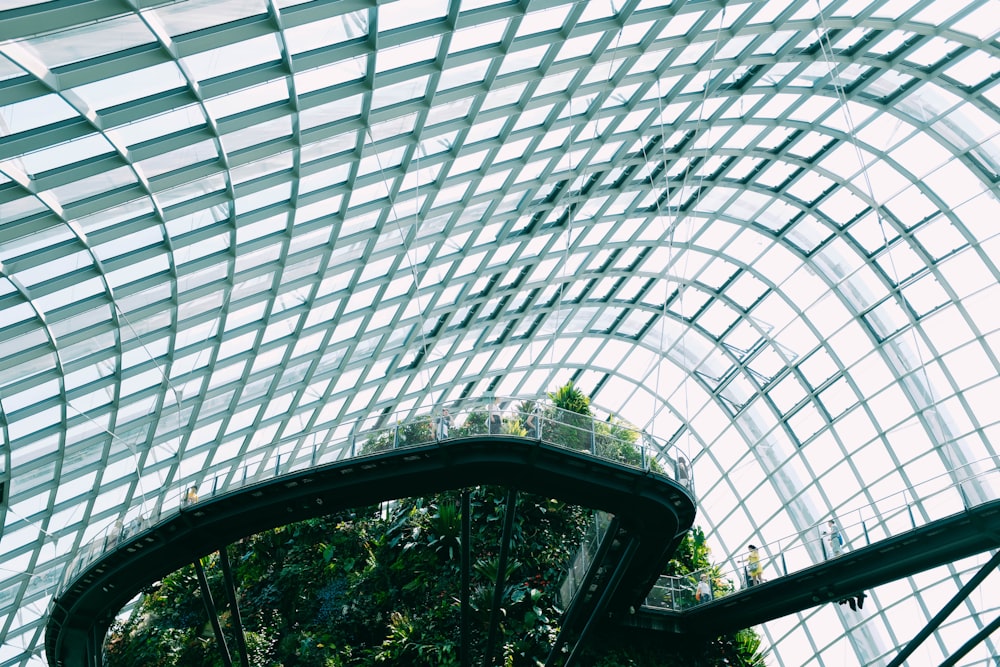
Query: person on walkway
{"points": [[703, 592], [754, 568], [856, 601], [834, 540], [531, 421], [683, 476], [190, 496], [496, 416], [443, 424]]}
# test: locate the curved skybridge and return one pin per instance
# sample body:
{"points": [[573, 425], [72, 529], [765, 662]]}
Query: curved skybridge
{"points": [[528, 446]]}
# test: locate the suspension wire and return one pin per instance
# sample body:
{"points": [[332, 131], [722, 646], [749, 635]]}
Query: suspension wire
{"points": [[834, 72], [671, 226], [565, 265], [583, 178], [402, 240]]}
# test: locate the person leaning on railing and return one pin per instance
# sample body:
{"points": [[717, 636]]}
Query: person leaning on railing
{"points": [[754, 568], [443, 424], [703, 592], [496, 416]]}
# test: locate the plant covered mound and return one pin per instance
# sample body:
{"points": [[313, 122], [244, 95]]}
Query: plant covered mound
{"points": [[382, 586]]}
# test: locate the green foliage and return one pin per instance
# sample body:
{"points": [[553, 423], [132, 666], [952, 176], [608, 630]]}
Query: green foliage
{"points": [[361, 590], [352, 590], [382, 587], [474, 424], [570, 398]]}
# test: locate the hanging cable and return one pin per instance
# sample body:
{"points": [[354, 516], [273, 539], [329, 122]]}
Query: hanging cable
{"points": [[826, 48], [671, 225], [424, 347]]}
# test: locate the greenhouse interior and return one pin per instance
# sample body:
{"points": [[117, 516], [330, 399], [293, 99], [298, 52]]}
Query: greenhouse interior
{"points": [[571, 270]]}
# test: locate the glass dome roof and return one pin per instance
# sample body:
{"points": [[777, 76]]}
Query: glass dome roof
{"points": [[765, 231]]}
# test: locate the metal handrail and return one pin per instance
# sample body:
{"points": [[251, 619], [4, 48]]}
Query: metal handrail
{"points": [[887, 517], [603, 438]]}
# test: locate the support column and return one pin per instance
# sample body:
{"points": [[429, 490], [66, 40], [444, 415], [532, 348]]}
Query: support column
{"points": [[952, 604], [213, 616], [234, 607], [498, 588], [466, 648]]}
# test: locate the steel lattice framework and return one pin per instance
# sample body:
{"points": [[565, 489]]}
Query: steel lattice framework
{"points": [[766, 231]]}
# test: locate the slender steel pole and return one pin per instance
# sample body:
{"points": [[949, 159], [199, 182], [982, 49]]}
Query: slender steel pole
{"points": [[234, 607], [213, 616], [946, 611], [498, 588], [466, 654], [975, 640]]}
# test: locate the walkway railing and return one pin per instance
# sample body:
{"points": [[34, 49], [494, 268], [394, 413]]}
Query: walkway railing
{"points": [[584, 557], [607, 438], [937, 498]]}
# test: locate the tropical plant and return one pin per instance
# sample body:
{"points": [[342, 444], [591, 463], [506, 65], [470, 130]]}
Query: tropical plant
{"points": [[381, 584]]}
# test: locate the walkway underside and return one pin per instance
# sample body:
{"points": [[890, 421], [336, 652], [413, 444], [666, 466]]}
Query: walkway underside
{"points": [[654, 511], [971, 532]]}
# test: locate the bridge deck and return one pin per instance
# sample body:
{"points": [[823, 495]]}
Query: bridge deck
{"points": [[653, 509], [971, 532]]}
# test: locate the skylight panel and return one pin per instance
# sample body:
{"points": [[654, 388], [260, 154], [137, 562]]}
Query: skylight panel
{"points": [[532, 117], [406, 55], [560, 84], [910, 206], [485, 130], [233, 57], [404, 91], [177, 159], [931, 51], [718, 318], [577, 47], [980, 22], [522, 59], [680, 24], [809, 186], [634, 323], [925, 295], [34, 112], [954, 184], [72, 153], [546, 20], [776, 107], [477, 36], [449, 111], [692, 53], [503, 96], [381, 162], [966, 273], [776, 41], [392, 16], [776, 174], [93, 40], [554, 138], [198, 14], [733, 47], [454, 77], [651, 60], [940, 237]]}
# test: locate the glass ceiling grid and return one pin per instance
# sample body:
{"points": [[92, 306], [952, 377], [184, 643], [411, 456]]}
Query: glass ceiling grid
{"points": [[189, 212]]}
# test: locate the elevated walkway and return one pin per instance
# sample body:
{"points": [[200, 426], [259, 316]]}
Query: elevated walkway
{"points": [[972, 531], [643, 485], [650, 509]]}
